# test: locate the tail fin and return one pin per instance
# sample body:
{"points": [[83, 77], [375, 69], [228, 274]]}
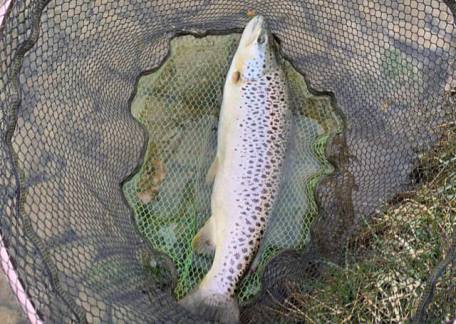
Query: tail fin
{"points": [[212, 307]]}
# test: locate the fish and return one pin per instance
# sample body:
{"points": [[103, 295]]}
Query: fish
{"points": [[252, 140]]}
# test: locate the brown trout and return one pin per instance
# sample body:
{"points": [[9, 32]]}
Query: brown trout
{"points": [[251, 146]]}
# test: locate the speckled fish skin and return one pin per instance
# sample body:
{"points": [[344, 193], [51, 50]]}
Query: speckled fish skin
{"points": [[252, 140]]}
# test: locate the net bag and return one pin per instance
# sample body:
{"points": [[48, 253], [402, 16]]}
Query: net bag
{"points": [[108, 115]]}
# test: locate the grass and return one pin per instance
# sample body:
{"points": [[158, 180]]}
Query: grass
{"points": [[390, 260]]}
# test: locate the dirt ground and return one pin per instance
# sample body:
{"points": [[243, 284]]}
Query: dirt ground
{"points": [[10, 312]]}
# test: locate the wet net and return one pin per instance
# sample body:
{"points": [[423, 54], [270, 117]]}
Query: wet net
{"points": [[108, 117]]}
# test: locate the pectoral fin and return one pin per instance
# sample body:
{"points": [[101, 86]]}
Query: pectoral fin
{"points": [[210, 176], [204, 240]]}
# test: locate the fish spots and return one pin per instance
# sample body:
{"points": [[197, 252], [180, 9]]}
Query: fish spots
{"points": [[262, 132]]}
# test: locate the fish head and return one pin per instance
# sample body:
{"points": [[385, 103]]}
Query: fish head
{"points": [[255, 56]]}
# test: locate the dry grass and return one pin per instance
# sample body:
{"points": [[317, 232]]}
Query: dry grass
{"points": [[391, 259]]}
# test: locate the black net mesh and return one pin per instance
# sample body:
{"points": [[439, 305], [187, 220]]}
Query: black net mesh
{"points": [[69, 74]]}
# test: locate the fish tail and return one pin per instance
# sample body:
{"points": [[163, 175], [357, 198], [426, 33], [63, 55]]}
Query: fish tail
{"points": [[212, 306]]}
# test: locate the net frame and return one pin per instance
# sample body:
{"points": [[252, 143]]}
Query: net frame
{"points": [[345, 179]]}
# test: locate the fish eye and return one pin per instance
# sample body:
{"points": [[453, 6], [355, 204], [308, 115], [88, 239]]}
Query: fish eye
{"points": [[261, 39]]}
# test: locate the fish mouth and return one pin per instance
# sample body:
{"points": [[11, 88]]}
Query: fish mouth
{"points": [[258, 23], [256, 31]]}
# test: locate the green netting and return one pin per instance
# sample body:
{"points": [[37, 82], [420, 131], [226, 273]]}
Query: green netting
{"points": [[179, 105]]}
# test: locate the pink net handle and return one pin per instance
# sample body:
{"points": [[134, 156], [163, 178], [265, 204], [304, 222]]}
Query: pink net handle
{"points": [[16, 285]]}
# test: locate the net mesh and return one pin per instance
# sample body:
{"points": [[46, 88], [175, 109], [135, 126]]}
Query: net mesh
{"points": [[69, 70], [180, 111]]}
